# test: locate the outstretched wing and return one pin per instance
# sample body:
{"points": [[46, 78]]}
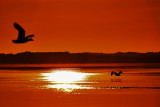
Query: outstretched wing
{"points": [[112, 73], [21, 31]]}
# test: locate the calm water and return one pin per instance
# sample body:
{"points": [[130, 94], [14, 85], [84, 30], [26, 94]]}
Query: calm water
{"points": [[23, 84]]}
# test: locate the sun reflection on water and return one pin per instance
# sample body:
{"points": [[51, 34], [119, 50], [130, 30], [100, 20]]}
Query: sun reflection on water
{"points": [[67, 87], [64, 80]]}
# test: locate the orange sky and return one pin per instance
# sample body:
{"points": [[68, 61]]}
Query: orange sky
{"points": [[81, 25]]}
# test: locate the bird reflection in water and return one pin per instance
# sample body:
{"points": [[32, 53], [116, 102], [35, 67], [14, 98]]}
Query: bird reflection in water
{"points": [[64, 80]]}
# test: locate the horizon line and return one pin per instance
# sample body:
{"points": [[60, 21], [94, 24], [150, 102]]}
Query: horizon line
{"points": [[80, 52]]}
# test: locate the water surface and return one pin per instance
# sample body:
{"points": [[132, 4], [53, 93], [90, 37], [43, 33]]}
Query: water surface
{"points": [[79, 86]]}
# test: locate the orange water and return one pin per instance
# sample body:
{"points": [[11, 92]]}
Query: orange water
{"points": [[79, 87]]}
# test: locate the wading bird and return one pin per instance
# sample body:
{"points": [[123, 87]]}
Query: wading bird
{"points": [[116, 74], [21, 35]]}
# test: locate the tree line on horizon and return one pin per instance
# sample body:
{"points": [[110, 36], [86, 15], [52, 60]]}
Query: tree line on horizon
{"points": [[86, 57]]}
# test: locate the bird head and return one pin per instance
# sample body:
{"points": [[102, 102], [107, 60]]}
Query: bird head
{"points": [[120, 72], [30, 39]]}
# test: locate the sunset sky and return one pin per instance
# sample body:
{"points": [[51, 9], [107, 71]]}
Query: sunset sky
{"points": [[81, 25]]}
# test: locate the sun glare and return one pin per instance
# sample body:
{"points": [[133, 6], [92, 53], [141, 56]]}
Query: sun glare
{"points": [[65, 80], [64, 76], [66, 87]]}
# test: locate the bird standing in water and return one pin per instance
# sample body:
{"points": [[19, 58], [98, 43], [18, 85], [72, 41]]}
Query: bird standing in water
{"points": [[21, 35], [116, 74]]}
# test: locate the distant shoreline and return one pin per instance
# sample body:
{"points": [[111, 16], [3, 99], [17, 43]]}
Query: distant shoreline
{"points": [[81, 66], [78, 58]]}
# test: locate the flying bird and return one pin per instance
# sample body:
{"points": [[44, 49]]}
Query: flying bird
{"points": [[116, 74], [21, 35]]}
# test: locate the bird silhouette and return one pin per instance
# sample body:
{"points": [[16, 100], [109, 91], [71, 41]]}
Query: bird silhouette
{"points": [[116, 74], [21, 35]]}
